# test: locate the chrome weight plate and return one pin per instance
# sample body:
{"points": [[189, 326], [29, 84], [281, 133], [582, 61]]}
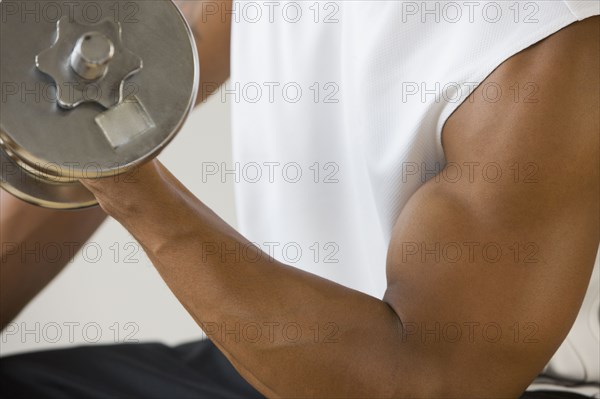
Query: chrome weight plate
{"points": [[88, 89], [41, 190]]}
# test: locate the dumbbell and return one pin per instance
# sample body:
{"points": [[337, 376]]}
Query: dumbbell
{"points": [[89, 89]]}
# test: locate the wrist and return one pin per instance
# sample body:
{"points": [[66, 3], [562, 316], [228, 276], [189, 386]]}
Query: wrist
{"points": [[125, 195], [152, 205]]}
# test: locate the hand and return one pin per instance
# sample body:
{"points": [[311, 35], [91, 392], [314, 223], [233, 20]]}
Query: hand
{"points": [[122, 193]]}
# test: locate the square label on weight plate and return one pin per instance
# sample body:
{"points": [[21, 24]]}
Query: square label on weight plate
{"points": [[124, 122]]}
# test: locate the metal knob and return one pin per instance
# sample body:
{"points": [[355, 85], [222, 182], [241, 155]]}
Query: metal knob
{"points": [[88, 57], [91, 55]]}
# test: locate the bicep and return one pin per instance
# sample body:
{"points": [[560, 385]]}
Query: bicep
{"points": [[505, 261]]}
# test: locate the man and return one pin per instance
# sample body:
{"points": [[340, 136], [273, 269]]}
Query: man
{"points": [[457, 147]]}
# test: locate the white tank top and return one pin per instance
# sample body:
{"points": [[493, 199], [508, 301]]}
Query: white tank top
{"points": [[338, 108]]}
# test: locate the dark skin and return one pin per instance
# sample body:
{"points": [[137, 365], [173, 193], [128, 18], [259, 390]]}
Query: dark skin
{"points": [[22, 227], [375, 355]]}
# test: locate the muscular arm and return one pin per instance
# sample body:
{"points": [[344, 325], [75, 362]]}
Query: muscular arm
{"points": [[210, 22], [25, 230], [379, 348]]}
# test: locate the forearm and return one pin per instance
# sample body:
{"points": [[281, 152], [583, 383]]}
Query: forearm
{"points": [[317, 338], [26, 231]]}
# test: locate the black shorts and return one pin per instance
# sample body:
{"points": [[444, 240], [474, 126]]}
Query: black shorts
{"points": [[195, 370]]}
